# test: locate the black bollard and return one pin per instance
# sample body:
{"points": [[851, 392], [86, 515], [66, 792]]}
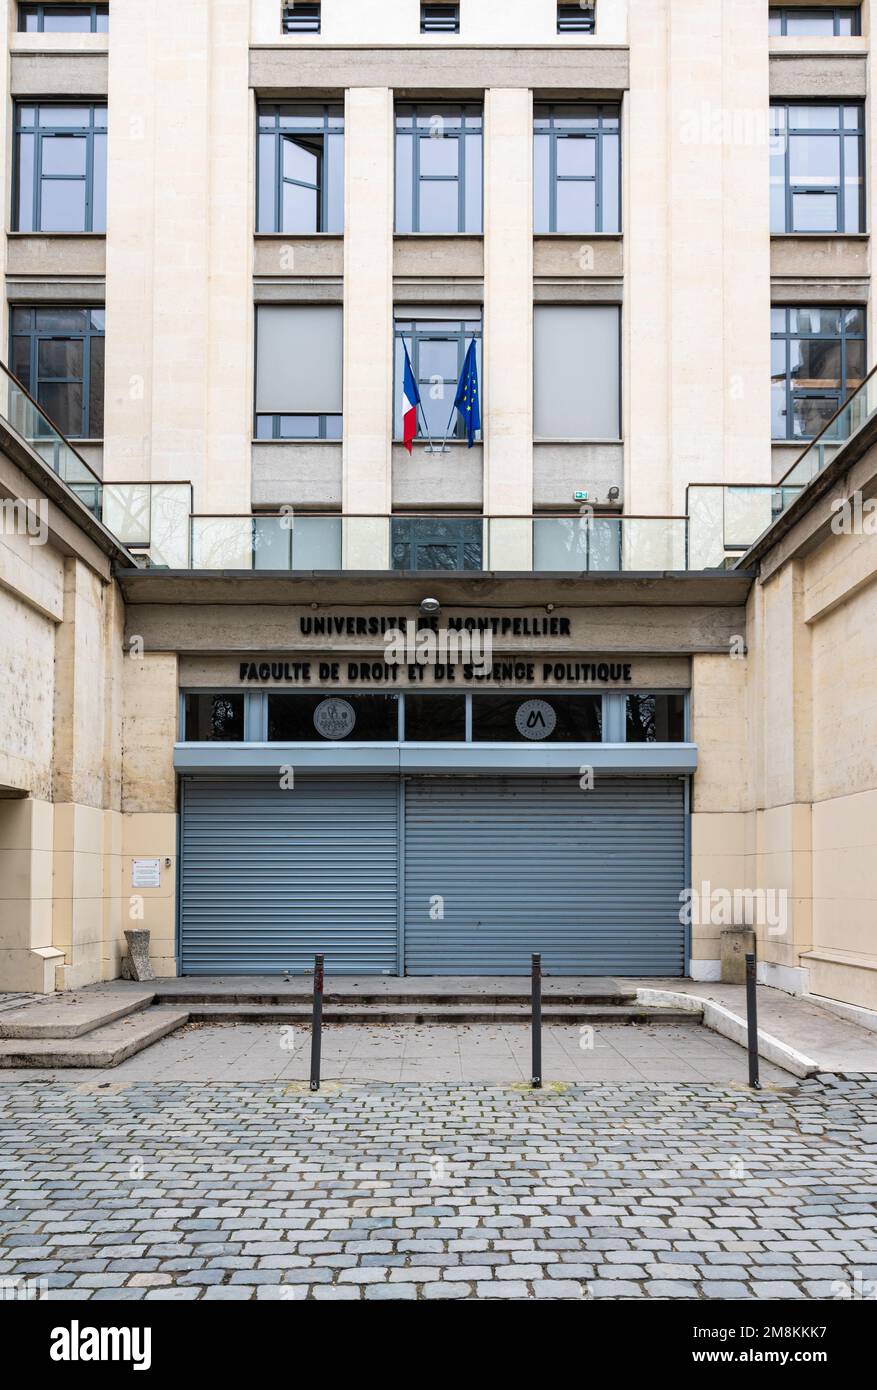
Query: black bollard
{"points": [[752, 1022], [536, 994], [317, 1025]]}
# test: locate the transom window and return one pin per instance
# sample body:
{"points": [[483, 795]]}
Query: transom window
{"points": [[576, 19], [58, 355], [438, 169], [577, 169], [439, 19], [63, 19], [300, 18], [817, 181], [501, 715], [437, 542], [300, 169], [832, 21], [818, 360], [60, 168], [437, 349]]}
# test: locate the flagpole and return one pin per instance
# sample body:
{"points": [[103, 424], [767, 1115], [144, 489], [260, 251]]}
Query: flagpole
{"points": [[432, 448]]}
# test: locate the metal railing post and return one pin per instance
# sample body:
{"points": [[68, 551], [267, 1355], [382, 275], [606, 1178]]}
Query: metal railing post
{"points": [[317, 1023], [536, 998], [752, 1021]]}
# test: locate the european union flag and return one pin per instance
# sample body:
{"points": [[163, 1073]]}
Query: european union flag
{"points": [[467, 399]]}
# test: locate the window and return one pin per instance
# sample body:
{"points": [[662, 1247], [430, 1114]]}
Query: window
{"points": [[63, 19], [438, 169], [817, 360], [440, 19], [435, 718], [829, 20], [214, 719], [437, 348], [577, 372], [577, 169], [576, 19], [655, 718], [58, 356], [437, 543], [341, 715], [300, 169], [299, 18], [298, 371], [60, 169], [560, 718], [817, 179]]}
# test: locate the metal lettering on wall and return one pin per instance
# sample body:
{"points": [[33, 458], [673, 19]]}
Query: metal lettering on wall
{"points": [[508, 670]]}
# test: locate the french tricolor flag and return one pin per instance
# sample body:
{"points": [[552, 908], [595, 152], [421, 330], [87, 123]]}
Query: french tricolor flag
{"points": [[410, 402]]}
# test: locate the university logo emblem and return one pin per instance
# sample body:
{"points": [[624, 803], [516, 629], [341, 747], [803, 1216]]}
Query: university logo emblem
{"points": [[535, 719], [334, 718]]}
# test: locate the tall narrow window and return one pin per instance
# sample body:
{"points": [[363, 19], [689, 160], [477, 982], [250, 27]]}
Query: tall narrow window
{"points": [[60, 171], [438, 169], [817, 179], [577, 19], [63, 19], [437, 348], [439, 19], [577, 168], [58, 356], [818, 359], [298, 371], [300, 169], [301, 18]]}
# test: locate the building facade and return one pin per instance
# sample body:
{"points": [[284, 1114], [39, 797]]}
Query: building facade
{"points": [[228, 222]]}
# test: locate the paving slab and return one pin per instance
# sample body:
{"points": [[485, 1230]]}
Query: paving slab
{"points": [[70, 1015], [105, 1046]]}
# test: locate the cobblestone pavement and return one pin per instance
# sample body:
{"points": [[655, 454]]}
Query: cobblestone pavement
{"points": [[233, 1190]]}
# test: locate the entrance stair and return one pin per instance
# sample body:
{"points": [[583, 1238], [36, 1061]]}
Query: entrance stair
{"points": [[103, 1025]]}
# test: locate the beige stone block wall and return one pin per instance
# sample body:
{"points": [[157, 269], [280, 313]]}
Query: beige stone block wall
{"points": [[152, 836]]}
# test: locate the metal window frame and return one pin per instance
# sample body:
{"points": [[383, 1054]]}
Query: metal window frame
{"points": [[555, 132], [309, 21], [448, 22], [41, 133], [415, 541], [787, 337], [613, 722], [39, 13], [412, 337], [576, 19], [322, 426], [279, 133], [415, 135], [784, 12], [36, 337], [838, 133]]}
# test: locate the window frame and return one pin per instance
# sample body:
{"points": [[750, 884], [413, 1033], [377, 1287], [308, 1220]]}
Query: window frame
{"points": [[414, 112], [96, 11], [40, 134], [276, 417], [413, 337], [613, 720], [576, 19], [415, 541], [333, 112], [840, 134], [446, 23], [552, 134], [36, 337], [787, 336], [784, 12], [311, 20]]}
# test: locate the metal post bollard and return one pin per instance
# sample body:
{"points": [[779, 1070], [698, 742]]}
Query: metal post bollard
{"points": [[536, 996], [752, 1022], [317, 1024]]}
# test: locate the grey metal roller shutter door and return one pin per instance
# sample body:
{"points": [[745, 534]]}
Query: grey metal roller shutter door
{"points": [[589, 878], [270, 876]]}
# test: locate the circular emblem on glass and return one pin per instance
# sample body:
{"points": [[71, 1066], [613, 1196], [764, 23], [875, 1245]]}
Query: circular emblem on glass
{"points": [[334, 718], [535, 719]]}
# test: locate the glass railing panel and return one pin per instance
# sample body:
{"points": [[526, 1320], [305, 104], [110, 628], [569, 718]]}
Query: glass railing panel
{"points": [[748, 512], [222, 542], [653, 543], [317, 543], [126, 513], [170, 516], [706, 528]]}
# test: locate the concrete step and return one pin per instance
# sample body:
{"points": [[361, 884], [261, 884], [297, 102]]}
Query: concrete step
{"points": [[409, 1012], [336, 998], [102, 1047], [72, 1015]]}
